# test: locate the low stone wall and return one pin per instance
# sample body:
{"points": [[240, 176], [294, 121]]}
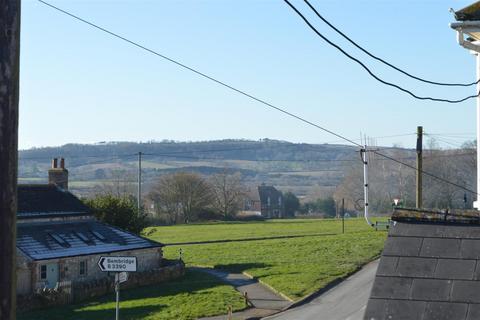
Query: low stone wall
{"points": [[86, 290]]}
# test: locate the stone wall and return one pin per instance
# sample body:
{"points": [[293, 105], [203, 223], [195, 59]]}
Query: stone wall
{"points": [[24, 278], [85, 290], [69, 268]]}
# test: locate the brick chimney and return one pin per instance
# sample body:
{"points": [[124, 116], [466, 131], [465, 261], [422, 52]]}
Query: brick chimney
{"points": [[58, 175]]}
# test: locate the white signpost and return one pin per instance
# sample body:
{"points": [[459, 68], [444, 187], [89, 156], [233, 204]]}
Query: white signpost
{"points": [[120, 265]]}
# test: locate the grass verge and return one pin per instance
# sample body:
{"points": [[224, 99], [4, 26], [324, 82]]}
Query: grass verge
{"points": [[196, 295]]}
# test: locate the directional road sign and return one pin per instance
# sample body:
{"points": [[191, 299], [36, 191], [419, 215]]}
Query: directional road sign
{"points": [[118, 264]]}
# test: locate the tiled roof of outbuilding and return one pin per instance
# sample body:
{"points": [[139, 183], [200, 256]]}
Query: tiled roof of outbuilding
{"points": [[49, 240], [429, 269], [40, 200]]}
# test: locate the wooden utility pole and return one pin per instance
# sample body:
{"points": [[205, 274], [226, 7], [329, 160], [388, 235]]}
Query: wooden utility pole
{"points": [[139, 190], [419, 202], [9, 89]]}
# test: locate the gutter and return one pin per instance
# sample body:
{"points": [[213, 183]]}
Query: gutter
{"points": [[465, 27]]}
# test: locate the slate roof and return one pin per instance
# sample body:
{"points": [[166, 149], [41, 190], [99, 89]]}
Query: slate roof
{"points": [[41, 241], [429, 269], [471, 12], [268, 191], [47, 200]]}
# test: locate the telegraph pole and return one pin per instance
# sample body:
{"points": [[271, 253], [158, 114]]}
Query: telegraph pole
{"points": [[139, 194], [9, 91], [419, 196]]}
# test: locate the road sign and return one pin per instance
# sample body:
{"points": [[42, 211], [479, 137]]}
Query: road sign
{"points": [[118, 264], [121, 277]]}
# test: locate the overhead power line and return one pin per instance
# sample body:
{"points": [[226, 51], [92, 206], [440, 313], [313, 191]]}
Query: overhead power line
{"points": [[250, 160], [382, 60], [390, 84], [270, 105]]}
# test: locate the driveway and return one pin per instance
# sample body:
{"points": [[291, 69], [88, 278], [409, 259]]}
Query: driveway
{"points": [[347, 301]]}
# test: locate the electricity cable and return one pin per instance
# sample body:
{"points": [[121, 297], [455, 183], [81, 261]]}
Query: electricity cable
{"points": [[382, 60], [390, 84]]}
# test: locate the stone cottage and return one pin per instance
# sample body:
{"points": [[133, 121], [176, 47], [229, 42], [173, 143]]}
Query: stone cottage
{"points": [[59, 240]]}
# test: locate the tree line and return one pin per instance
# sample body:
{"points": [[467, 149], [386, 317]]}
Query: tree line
{"points": [[390, 180], [184, 197]]}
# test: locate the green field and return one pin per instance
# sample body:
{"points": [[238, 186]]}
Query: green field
{"points": [[244, 230], [296, 267], [196, 295]]}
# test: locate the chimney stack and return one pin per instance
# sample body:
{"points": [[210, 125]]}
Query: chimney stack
{"points": [[58, 175]]}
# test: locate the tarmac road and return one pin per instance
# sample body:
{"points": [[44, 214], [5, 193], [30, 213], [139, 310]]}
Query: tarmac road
{"points": [[346, 301]]}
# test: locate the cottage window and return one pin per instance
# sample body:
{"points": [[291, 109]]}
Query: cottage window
{"points": [[83, 268], [43, 272]]}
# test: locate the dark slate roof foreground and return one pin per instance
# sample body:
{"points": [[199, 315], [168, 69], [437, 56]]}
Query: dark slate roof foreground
{"points": [[41, 241], [471, 12], [429, 269], [40, 200]]}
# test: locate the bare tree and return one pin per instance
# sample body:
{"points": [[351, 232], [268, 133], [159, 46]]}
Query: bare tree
{"points": [[227, 192], [182, 195]]}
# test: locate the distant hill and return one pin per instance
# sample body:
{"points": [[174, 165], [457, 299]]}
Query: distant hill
{"points": [[297, 167]]}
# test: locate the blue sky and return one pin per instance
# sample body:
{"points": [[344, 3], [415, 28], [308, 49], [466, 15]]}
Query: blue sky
{"points": [[79, 85]]}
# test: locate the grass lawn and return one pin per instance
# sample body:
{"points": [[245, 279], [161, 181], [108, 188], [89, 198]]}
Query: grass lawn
{"points": [[195, 295], [295, 267], [244, 230]]}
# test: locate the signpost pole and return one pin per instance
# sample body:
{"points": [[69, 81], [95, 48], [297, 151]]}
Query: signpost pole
{"points": [[119, 265], [117, 293]]}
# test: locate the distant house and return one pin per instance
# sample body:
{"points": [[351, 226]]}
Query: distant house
{"points": [[251, 203], [265, 201], [271, 202], [59, 240]]}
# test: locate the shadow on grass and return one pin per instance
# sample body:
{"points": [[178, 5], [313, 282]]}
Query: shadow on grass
{"points": [[62, 313], [133, 304], [241, 267]]}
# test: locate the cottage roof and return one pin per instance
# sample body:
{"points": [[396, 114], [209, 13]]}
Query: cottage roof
{"points": [[49, 240], [46, 200], [430, 267], [268, 191], [471, 12]]}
